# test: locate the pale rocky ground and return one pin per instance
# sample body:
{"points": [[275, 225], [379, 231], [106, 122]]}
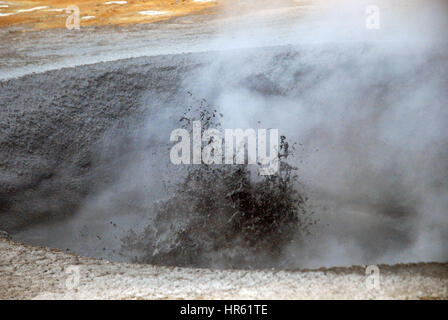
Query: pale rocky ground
{"points": [[28, 272]]}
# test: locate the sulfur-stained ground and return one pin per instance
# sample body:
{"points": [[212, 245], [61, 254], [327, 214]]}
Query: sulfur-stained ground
{"points": [[46, 14]]}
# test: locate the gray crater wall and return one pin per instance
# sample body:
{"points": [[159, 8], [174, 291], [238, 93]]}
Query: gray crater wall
{"points": [[51, 123]]}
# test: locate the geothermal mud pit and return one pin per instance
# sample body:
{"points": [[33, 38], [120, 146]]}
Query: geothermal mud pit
{"points": [[85, 154]]}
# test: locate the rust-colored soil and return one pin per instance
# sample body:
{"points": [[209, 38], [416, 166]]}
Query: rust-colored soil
{"points": [[46, 14]]}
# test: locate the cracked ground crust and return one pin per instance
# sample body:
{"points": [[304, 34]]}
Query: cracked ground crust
{"points": [[28, 272]]}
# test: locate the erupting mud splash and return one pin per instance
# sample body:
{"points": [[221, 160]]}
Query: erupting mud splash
{"points": [[223, 215]]}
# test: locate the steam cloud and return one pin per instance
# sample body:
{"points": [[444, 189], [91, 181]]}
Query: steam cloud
{"points": [[369, 109]]}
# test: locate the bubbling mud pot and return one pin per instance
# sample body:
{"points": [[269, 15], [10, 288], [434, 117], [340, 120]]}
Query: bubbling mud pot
{"points": [[85, 159]]}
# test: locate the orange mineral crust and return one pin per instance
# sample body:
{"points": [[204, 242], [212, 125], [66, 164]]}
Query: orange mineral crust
{"points": [[46, 14]]}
